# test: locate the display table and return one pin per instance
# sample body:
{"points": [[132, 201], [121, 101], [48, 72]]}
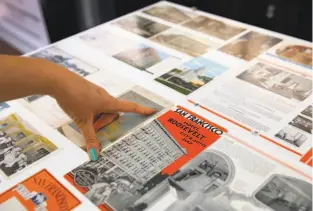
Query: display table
{"points": [[232, 129]]}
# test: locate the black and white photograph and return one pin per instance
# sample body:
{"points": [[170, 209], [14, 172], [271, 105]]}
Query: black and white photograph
{"points": [[181, 41], [169, 13], [16, 155], [32, 98], [141, 26], [107, 184], [60, 57], [278, 81], [281, 193], [213, 27], [302, 123], [307, 111], [292, 136], [200, 180]]}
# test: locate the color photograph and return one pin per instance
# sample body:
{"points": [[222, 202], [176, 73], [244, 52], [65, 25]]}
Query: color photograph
{"points": [[168, 13], [141, 26], [183, 42], [141, 57], [192, 75], [250, 45], [213, 27], [299, 54], [278, 81]]}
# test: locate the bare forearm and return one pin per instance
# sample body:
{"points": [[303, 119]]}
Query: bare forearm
{"points": [[23, 76]]}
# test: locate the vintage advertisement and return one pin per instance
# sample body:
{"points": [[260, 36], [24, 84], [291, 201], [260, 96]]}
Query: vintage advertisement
{"points": [[141, 26], [169, 13], [125, 122], [184, 42], [192, 75], [293, 52], [272, 100], [40, 192], [20, 147], [213, 27], [250, 45], [136, 171]]}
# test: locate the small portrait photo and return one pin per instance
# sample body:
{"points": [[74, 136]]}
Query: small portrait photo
{"points": [[141, 26], [302, 123], [296, 53], [307, 111], [292, 136], [213, 27], [168, 13], [250, 45], [279, 81]]}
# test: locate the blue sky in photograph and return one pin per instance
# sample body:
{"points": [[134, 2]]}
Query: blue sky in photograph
{"points": [[161, 54], [213, 69]]}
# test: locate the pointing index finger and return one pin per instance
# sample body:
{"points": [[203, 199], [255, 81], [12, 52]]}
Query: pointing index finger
{"points": [[128, 106]]}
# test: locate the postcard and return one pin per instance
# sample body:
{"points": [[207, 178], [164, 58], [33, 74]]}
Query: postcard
{"points": [[20, 147], [192, 75], [39, 192], [141, 26], [169, 13], [183, 42], [213, 27], [250, 45], [296, 53], [142, 57], [126, 122], [60, 57]]}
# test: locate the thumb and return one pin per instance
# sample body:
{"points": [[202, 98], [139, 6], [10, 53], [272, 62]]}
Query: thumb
{"points": [[93, 144]]}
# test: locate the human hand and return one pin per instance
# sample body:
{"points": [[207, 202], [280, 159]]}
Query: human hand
{"points": [[83, 100]]}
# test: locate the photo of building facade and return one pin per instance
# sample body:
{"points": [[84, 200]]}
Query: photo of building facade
{"points": [[213, 27], [278, 81]]}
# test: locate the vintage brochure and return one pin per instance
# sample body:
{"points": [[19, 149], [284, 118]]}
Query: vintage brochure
{"points": [[186, 162], [40, 192], [144, 160]]}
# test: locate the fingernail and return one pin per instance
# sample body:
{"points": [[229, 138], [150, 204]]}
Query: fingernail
{"points": [[93, 154]]}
